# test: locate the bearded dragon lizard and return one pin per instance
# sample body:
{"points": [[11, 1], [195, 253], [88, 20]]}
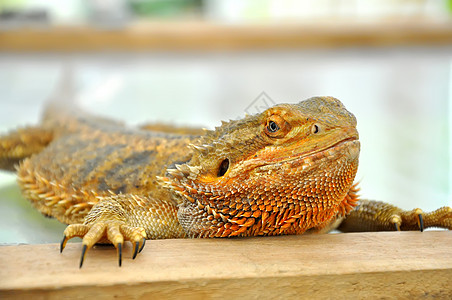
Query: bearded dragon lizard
{"points": [[287, 170]]}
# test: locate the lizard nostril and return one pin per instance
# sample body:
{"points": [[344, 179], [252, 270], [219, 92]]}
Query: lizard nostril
{"points": [[224, 166]]}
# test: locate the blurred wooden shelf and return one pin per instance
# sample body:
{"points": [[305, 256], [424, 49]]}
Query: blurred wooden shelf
{"points": [[201, 36], [378, 265]]}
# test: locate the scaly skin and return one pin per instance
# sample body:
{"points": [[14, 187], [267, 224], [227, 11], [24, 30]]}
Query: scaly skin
{"points": [[285, 171]]}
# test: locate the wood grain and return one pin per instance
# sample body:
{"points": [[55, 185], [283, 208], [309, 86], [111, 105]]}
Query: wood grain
{"points": [[206, 36], [385, 264]]}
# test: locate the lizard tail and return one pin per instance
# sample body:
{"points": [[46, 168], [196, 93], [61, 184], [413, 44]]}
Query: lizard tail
{"points": [[21, 143], [61, 116], [61, 105]]}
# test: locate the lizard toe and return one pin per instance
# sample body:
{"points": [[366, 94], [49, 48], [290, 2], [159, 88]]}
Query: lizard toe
{"points": [[137, 248], [413, 219], [82, 258], [421, 222], [119, 247], [73, 230], [136, 235], [396, 220], [142, 245]]}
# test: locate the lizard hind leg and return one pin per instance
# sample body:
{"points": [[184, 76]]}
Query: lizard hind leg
{"points": [[380, 216], [22, 143]]}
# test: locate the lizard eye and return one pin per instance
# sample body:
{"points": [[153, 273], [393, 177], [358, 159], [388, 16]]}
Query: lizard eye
{"points": [[276, 127], [272, 127]]}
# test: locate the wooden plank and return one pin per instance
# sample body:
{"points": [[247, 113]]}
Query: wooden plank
{"points": [[206, 36], [384, 264]]}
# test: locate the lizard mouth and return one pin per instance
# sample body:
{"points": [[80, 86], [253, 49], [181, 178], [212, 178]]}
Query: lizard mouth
{"points": [[348, 147], [350, 139]]}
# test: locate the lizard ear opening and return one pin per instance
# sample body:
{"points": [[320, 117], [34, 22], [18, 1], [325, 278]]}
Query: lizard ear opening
{"points": [[315, 129], [224, 166]]}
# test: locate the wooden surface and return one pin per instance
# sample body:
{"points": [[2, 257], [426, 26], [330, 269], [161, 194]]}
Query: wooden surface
{"points": [[211, 36], [385, 264]]}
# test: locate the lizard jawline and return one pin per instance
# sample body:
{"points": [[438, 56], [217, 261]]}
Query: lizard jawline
{"points": [[348, 143]]}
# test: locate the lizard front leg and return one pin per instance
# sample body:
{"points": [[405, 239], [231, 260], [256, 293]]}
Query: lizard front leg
{"points": [[380, 216], [120, 218]]}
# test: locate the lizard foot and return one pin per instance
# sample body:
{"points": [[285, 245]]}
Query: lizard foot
{"points": [[114, 232], [379, 216], [409, 220], [413, 219]]}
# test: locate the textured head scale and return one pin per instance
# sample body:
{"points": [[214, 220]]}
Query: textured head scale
{"points": [[283, 171]]}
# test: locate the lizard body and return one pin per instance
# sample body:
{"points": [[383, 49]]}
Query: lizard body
{"points": [[285, 171]]}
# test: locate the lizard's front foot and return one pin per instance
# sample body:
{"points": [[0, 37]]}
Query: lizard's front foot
{"points": [[417, 219], [408, 220], [112, 231], [106, 222], [380, 216]]}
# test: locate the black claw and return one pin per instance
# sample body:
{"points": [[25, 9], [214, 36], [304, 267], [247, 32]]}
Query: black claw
{"points": [[119, 254], [83, 255], [142, 245], [135, 249], [63, 243], [421, 222]]}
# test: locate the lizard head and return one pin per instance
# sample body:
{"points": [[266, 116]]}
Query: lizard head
{"points": [[283, 171]]}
